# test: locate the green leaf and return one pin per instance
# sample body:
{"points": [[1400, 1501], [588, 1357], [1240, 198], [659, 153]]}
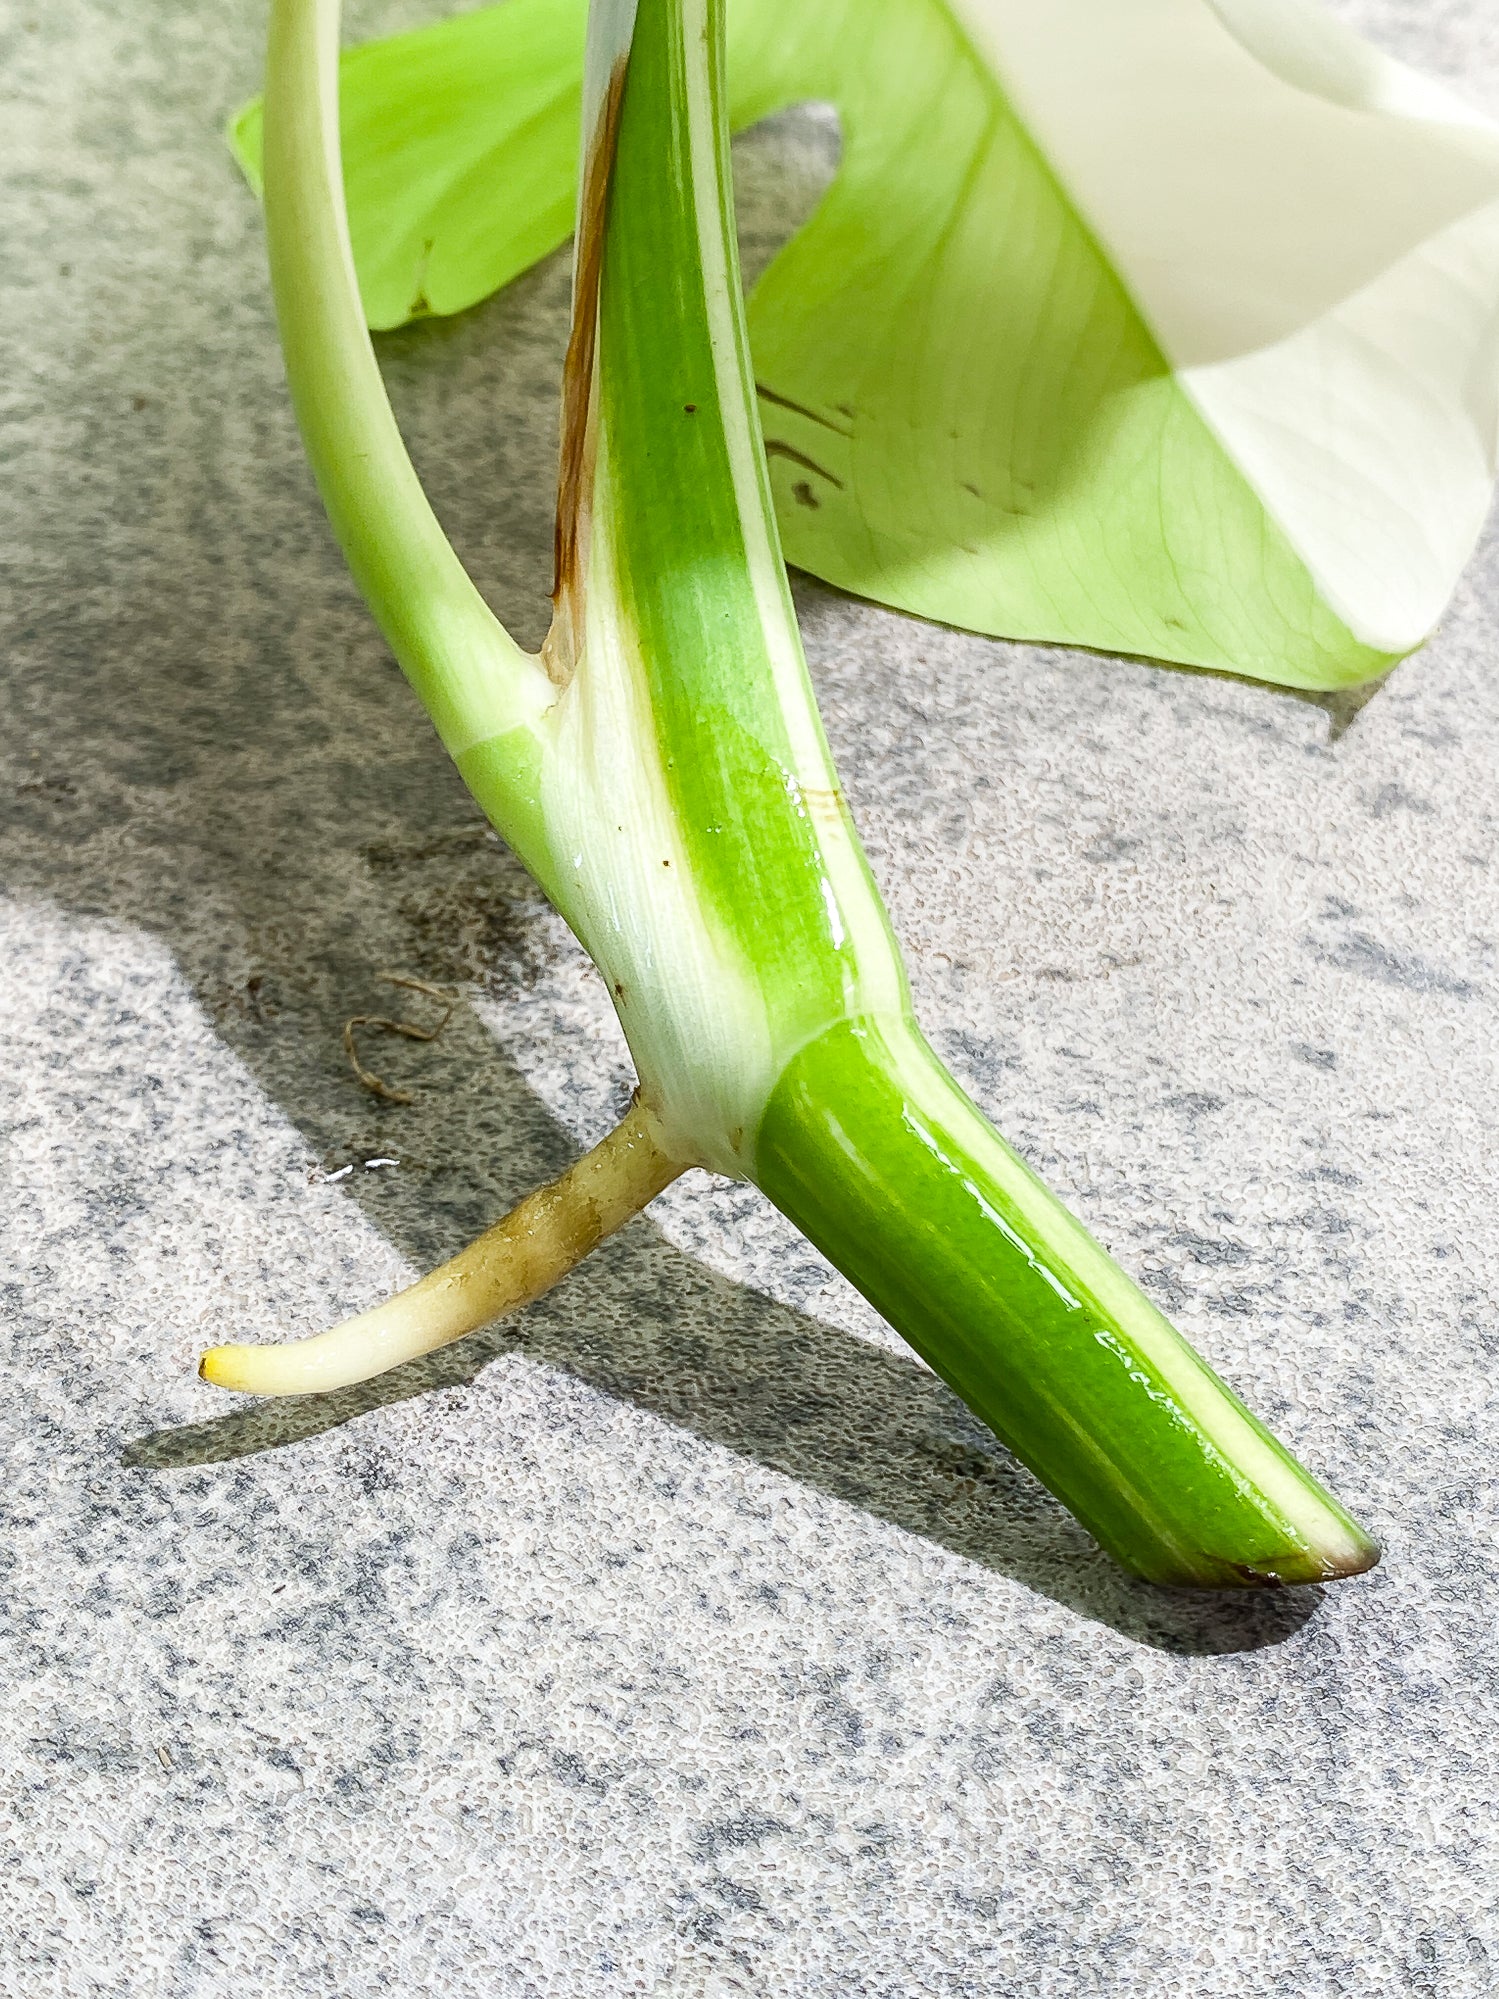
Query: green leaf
{"points": [[460, 154], [967, 396]]}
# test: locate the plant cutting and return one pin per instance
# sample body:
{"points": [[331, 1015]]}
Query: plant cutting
{"points": [[661, 769]]}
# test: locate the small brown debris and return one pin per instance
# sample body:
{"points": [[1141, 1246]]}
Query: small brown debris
{"points": [[409, 1029]]}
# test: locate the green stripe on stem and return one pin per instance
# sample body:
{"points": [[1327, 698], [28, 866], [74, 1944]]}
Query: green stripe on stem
{"points": [[701, 583], [874, 1152]]}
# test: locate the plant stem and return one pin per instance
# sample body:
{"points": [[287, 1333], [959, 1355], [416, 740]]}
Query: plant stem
{"points": [[876, 1154], [511, 1264], [861, 1136], [474, 680], [669, 783]]}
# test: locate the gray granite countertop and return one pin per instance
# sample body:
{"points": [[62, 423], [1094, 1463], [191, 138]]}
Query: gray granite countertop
{"points": [[684, 1637]]}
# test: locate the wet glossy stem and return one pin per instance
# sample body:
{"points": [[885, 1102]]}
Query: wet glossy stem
{"points": [[517, 1260], [876, 1154]]}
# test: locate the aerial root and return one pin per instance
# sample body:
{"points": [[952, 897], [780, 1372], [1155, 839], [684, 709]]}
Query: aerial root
{"points": [[518, 1259]]}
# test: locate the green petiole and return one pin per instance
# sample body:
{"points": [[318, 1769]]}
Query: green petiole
{"points": [[662, 770]]}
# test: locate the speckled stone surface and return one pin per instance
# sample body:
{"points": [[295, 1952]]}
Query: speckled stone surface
{"points": [[683, 1637]]}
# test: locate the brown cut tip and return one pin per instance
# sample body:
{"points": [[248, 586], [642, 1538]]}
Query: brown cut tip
{"points": [[575, 468], [1300, 1569]]}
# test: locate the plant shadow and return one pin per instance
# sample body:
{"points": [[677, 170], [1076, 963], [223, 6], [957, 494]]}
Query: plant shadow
{"points": [[647, 1324], [221, 755]]}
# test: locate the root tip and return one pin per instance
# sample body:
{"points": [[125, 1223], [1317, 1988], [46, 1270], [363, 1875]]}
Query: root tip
{"points": [[217, 1366]]}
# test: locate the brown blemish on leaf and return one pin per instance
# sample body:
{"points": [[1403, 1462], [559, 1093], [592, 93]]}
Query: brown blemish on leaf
{"points": [[799, 409], [803, 495], [421, 306], [575, 471], [776, 447]]}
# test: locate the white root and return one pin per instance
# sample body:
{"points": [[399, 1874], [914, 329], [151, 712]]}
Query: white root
{"points": [[518, 1259]]}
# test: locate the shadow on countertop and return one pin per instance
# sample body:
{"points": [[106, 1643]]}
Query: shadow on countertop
{"points": [[216, 750], [650, 1325]]}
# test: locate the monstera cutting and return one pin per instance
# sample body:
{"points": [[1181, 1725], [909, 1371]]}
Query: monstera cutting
{"points": [[1014, 375]]}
